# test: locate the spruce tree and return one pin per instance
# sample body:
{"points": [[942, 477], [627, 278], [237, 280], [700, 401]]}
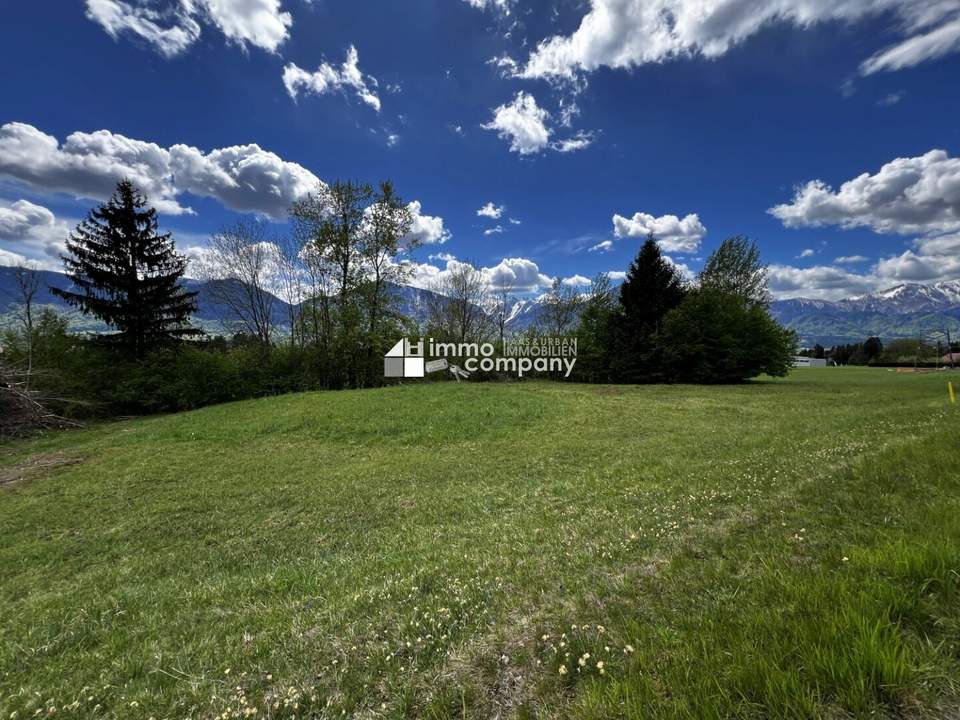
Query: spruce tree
{"points": [[127, 274], [652, 288]]}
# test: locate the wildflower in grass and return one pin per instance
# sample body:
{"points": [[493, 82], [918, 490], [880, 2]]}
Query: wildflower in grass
{"points": [[563, 670], [628, 649], [600, 667]]}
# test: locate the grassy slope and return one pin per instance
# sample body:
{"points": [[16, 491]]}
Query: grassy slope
{"points": [[442, 550]]}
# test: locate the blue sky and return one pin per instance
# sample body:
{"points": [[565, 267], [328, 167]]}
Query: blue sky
{"points": [[827, 131]]}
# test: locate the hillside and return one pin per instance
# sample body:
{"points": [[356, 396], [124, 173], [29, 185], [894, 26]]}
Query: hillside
{"points": [[654, 551]]}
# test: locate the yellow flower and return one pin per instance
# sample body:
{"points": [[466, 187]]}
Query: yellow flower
{"points": [[563, 670]]}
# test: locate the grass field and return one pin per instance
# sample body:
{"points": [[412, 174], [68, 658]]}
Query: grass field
{"points": [[783, 548]]}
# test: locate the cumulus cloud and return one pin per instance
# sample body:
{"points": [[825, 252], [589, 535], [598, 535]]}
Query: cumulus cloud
{"points": [[172, 26], [427, 229], [933, 258], [328, 78], [34, 231], [518, 274], [912, 267], [10, 259], [246, 178], [576, 281], [907, 195], [629, 33], [685, 272], [617, 274], [674, 234], [525, 125], [821, 281], [491, 211]]}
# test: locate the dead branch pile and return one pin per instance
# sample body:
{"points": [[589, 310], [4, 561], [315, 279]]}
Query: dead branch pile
{"points": [[21, 410]]}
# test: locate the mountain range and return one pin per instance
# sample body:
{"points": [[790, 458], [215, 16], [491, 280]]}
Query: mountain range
{"points": [[908, 310]]}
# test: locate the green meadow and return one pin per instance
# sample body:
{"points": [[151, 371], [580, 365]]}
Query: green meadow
{"points": [[778, 549]]}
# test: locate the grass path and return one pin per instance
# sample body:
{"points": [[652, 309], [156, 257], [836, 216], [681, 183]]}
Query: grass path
{"points": [[444, 550]]}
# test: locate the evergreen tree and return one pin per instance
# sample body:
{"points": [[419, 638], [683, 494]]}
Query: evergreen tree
{"points": [[652, 288], [598, 308], [872, 347], [128, 275]]}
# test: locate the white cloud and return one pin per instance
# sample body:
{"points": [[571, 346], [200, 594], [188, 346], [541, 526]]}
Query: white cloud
{"points": [[10, 259], [685, 272], [578, 142], [500, 5], [617, 274], [518, 274], [850, 259], [890, 99], [674, 234], [88, 165], [33, 231], [629, 33], [495, 230], [327, 79], [525, 125], [808, 253], [935, 43], [912, 267], [576, 281], [491, 211], [821, 281], [428, 229], [907, 195], [935, 258], [604, 246], [514, 221], [172, 26]]}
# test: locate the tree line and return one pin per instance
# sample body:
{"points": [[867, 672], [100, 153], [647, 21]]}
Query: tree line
{"points": [[338, 272]]}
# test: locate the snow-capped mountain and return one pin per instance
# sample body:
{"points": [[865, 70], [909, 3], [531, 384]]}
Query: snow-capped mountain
{"points": [[908, 297], [908, 310]]}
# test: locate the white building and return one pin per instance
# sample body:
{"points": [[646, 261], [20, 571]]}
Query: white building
{"points": [[800, 361]]}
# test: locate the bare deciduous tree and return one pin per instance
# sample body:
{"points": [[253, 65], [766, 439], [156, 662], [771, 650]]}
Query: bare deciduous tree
{"points": [[241, 267], [561, 307], [28, 284], [456, 309], [500, 308]]}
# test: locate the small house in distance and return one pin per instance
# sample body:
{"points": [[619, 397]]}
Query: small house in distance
{"points": [[800, 361]]}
